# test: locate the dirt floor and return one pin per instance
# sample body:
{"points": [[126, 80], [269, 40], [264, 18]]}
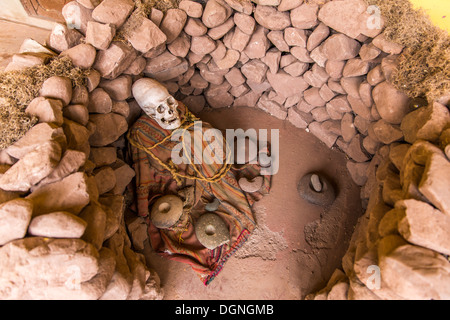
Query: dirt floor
{"points": [[297, 245]]}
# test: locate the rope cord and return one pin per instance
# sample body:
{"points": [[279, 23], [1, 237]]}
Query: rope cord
{"points": [[187, 123]]}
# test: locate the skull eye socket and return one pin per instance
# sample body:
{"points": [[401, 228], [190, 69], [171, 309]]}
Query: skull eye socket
{"points": [[160, 109], [171, 100]]}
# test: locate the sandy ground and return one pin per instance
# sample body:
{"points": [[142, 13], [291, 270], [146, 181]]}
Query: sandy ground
{"points": [[297, 245]]}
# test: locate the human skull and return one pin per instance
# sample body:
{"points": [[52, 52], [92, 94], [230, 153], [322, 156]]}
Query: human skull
{"points": [[157, 103]]}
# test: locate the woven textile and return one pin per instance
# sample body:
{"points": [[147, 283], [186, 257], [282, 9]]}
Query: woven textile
{"points": [[154, 180]]}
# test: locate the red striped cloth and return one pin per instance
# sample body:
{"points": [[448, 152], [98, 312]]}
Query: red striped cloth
{"points": [[153, 180]]}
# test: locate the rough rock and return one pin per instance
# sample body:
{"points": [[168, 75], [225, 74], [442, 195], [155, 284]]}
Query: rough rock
{"points": [[32, 168], [76, 16], [62, 38], [419, 223], [46, 110], [215, 13], [340, 47], [435, 182], [305, 16], [426, 123], [57, 88], [95, 218], [57, 225], [173, 23], [270, 18], [413, 272], [114, 60], [15, 215], [110, 127], [285, 84], [146, 36], [70, 194], [392, 105], [113, 11], [49, 268]]}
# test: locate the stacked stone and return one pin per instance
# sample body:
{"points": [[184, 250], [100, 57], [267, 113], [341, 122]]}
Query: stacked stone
{"points": [[317, 64], [401, 246], [308, 63], [62, 185]]}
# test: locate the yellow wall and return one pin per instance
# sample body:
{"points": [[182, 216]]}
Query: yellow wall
{"points": [[439, 11]]}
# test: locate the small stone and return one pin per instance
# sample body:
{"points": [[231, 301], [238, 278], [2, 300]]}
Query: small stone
{"points": [[239, 40], [215, 13], [57, 88], [193, 9], [76, 16], [114, 60], [173, 23], [100, 35], [301, 54], [77, 112], [180, 46], [57, 225], [425, 123], [343, 16], [375, 76], [195, 103], [117, 89], [335, 68], [63, 38], [124, 174], [32, 168], [113, 11], [286, 5], [316, 77], [15, 215], [392, 104], [105, 179], [202, 45], [286, 85], [272, 59], [351, 85], [218, 32], [71, 162], [339, 104], [413, 272], [245, 23], [230, 59], [387, 46], [270, 18], [305, 16], [82, 55], [162, 62], [110, 127], [100, 101], [235, 77], [243, 6], [103, 156], [277, 38], [255, 71], [95, 218], [419, 223], [295, 117], [136, 67], [354, 149], [195, 27], [320, 33], [271, 107], [258, 44], [369, 52], [387, 133], [359, 108], [46, 110], [356, 67], [327, 137], [156, 16], [296, 69], [145, 35], [70, 194], [340, 47], [358, 171], [313, 98], [435, 181], [348, 129]]}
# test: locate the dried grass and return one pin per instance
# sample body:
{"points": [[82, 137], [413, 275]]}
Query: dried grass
{"points": [[18, 88], [424, 66]]}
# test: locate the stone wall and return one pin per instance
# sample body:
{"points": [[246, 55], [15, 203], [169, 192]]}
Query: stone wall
{"points": [[317, 64]]}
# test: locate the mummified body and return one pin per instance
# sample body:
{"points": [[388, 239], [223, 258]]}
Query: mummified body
{"points": [[197, 183]]}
